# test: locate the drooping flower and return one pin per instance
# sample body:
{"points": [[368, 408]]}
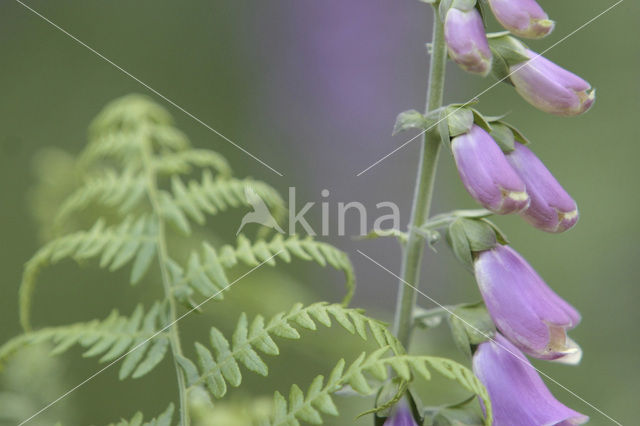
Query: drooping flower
{"points": [[524, 18], [518, 394], [467, 41], [551, 208], [524, 308], [486, 174], [401, 416], [551, 88]]}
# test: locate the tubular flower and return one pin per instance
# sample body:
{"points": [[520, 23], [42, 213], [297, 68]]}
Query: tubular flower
{"points": [[467, 41], [518, 394], [551, 208], [486, 174], [524, 18], [401, 416], [524, 308], [551, 88]]}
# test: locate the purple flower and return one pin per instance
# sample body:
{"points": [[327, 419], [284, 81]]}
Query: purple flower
{"points": [[467, 41], [551, 88], [486, 173], [401, 416], [524, 18], [551, 208], [518, 394], [524, 308]]}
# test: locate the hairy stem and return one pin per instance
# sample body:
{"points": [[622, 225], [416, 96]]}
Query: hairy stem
{"points": [[163, 257], [430, 149]]}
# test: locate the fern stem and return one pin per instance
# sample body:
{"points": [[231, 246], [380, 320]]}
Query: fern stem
{"points": [[163, 257], [430, 149]]}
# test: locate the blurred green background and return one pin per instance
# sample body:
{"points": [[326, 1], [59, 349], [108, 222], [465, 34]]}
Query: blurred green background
{"points": [[312, 88]]}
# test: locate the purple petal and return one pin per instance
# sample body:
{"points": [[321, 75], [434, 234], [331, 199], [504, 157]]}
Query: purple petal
{"points": [[486, 174], [518, 394], [524, 18], [551, 208], [401, 417], [523, 307], [467, 41], [551, 88]]}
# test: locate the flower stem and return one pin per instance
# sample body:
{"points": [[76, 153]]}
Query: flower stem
{"points": [[163, 258], [430, 149]]}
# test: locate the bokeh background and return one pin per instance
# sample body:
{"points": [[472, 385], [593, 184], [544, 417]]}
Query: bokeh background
{"points": [[312, 88]]}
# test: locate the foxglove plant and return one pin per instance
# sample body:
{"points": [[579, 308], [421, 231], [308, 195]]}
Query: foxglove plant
{"points": [[138, 169], [520, 312]]}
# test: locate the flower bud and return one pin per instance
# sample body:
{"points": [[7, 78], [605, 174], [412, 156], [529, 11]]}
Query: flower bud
{"points": [[467, 41], [524, 308], [401, 416], [518, 394], [486, 174], [551, 88], [551, 208], [524, 18]]}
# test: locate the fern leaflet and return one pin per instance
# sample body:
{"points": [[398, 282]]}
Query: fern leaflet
{"points": [[114, 337], [205, 272], [163, 419], [318, 399], [215, 371]]}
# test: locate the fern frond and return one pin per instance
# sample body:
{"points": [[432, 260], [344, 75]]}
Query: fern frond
{"points": [[318, 399], [132, 240], [205, 272], [210, 196], [110, 338], [215, 371], [163, 419]]}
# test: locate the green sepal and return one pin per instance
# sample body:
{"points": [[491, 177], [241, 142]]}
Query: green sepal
{"points": [[507, 51], [470, 325], [476, 320], [503, 136], [481, 120], [459, 120], [410, 119], [517, 134], [465, 413], [463, 5], [444, 7], [500, 236], [459, 244], [466, 236]]}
